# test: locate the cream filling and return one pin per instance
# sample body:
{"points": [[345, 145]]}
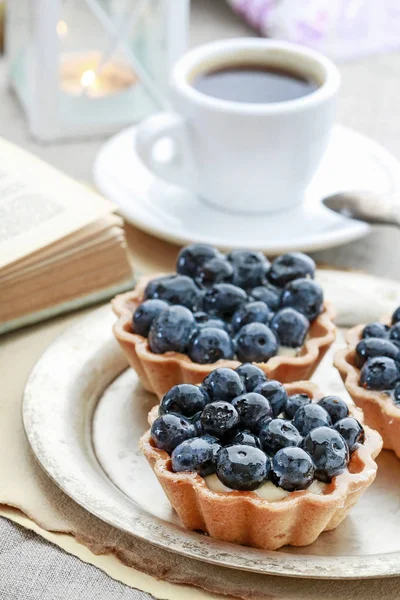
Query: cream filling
{"points": [[267, 491], [215, 485], [317, 487], [289, 352]]}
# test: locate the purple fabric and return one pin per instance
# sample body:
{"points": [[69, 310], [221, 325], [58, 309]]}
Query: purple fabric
{"points": [[339, 28]]}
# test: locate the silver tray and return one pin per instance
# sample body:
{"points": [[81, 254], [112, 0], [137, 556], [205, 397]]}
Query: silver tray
{"points": [[84, 412]]}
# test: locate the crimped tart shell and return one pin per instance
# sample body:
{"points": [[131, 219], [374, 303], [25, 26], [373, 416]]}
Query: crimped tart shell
{"points": [[380, 412], [160, 372], [245, 518]]}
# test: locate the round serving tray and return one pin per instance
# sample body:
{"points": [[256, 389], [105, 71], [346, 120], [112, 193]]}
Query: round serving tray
{"points": [[84, 412]]}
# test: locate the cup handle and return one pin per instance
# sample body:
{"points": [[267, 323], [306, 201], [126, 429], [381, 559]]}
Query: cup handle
{"points": [[179, 167]]}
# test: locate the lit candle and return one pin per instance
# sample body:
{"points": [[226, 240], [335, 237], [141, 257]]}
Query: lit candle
{"points": [[87, 79], [62, 29], [80, 75]]}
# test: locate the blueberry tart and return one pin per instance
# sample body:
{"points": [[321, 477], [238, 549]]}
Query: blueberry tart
{"points": [[370, 369], [252, 461], [222, 310]]}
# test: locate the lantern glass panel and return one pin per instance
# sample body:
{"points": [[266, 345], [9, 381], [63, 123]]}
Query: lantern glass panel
{"points": [[77, 65]]}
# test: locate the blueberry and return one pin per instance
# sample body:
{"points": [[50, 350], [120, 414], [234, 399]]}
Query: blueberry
{"points": [[242, 467], [223, 384], [145, 314], [251, 375], [251, 312], [175, 289], [196, 422], [155, 284], [196, 454], [396, 395], [335, 406], [291, 266], [249, 268], [328, 451], [211, 439], [375, 330], [216, 270], [351, 431], [267, 293], [223, 299], [275, 393], [168, 431], [396, 316], [185, 399], [370, 347], [394, 333], [305, 296], [171, 330], [253, 409], [292, 469], [194, 256], [290, 327], [205, 320], [309, 417], [219, 419], [294, 402], [255, 342], [245, 438], [277, 434], [396, 343], [379, 373], [216, 444], [210, 344]]}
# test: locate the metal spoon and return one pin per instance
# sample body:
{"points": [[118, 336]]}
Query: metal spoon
{"points": [[365, 206]]}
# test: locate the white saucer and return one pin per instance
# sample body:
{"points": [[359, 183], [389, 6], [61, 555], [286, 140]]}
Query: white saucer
{"points": [[174, 214]]}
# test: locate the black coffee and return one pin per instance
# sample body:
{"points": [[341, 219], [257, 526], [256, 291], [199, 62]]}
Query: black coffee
{"points": [[254, 83]]}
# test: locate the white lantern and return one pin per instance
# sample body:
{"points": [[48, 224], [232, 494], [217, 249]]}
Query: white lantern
{"points": [[82, 67]]}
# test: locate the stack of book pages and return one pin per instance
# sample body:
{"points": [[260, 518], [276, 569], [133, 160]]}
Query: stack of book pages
{"points": [[61, 245]]}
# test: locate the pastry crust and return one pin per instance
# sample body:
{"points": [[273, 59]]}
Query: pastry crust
{"points": [[245, 518], [160, 372], [380, 412]]}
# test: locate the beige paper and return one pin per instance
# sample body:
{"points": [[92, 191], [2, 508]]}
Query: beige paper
{"points": [[39, 204]]}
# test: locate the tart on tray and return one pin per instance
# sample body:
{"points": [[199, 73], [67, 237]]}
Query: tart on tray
{"points": [[252, 461], [370, 369], [221, 310]]}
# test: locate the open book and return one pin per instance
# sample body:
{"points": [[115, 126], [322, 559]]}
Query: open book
{"points": [[61, 246]]}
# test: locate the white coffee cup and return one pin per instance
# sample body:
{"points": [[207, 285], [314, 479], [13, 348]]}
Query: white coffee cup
{"points": [[243, 157]]}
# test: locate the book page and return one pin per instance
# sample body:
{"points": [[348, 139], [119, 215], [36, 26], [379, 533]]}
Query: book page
{"points": [[74, 240], [39, 204], [110, 237]]}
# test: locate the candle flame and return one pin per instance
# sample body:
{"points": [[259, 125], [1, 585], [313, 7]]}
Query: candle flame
{"points": [[88, 78], [62, 29]]}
